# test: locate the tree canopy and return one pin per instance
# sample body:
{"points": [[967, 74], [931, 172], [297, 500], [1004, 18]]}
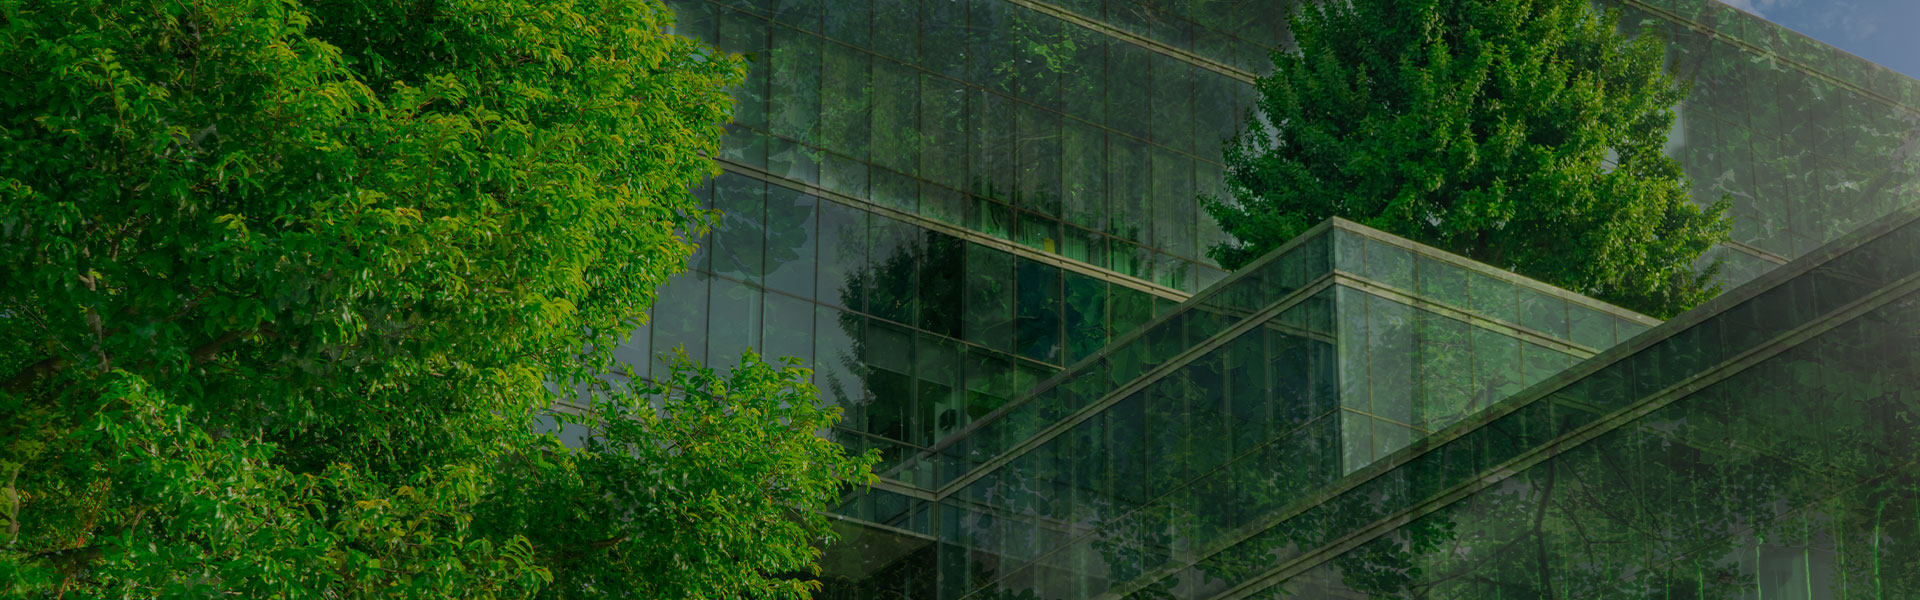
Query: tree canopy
{"points": [[289, 283], [1526, 134]]}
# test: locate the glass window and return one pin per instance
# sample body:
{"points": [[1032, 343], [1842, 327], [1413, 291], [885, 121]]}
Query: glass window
{"points": [[1086, 318], [1590, 328], [679, 316], [1129, 308], [942, 277], [1084, 246], [1625, 329], [942, 405], [989, 301], [844, 175], [896, 28], [896, 116], [888, 356], [1496, 362], [1352, 315], [1446, 370], [636, 351], [1038, 145], [989, 382], [1392, 348], [992, 161], [942, 204], [991, 218], [894, 257], [791, 243], [804, 14], [1172, 102], [1356, 440], [1038, 333], [894, 190], [1128, 189], [943, 37], [1039, 232], [747, 34], [1391, 265], [943, 129], [1441, 282], [795, 59], [739, 237], [695, 19], [1493, 298], [733, 322], [1085, 79], [845, 106], [843, 255], [1128, 88], [850, 22], [1543, 313], [790, 159], [1543, 362], [787, 329], [1173, 200]]}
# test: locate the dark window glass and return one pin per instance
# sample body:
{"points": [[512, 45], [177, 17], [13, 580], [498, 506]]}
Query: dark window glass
{"points": [[796, 84], [1127, 190], [850, 22], [896, 116], [1083, 174], [943, 127], [937, 370], [1039, 306], [888, 355], [942, 277], [991, 164], [791, 241], [1086, 318], [896, 28], [746, 34], [845, 104], [843, 255], [1038, 146], [836, 360], [894, 253], [989, 302]]}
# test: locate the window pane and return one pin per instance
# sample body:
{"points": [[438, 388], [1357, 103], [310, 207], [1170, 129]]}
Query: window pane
{"points": [[787, 330], [1038, 334], [790, 241], [989, 301], [733, 322], [894, 259], [1086, 318], [738, 239], [942, 277], [843, 255]]}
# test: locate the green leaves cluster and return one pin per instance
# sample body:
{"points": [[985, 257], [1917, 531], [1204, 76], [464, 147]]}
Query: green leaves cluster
{"points": [[1524, 134], [287, 282]]}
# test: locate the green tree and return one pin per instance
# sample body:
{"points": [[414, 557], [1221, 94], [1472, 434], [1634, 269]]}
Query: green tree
{"points": [[1524, 134], [287, 285]]}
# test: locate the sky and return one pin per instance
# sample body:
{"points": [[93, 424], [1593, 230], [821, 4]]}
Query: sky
{"points": [[1886, 32]]}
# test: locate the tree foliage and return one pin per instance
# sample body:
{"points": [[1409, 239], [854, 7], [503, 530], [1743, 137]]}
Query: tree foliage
{"points": [[1524, 134], [288, 282]]}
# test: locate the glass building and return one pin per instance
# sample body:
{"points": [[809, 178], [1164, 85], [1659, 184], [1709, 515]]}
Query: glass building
{"points": [[977, 221]]}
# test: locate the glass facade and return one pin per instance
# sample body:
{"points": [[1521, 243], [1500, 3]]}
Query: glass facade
{"points": [[977, 221], [1762, 446]]}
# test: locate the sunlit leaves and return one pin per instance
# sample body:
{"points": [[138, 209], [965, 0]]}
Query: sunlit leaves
{"points": [[1524, 134], [286, 283]]}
